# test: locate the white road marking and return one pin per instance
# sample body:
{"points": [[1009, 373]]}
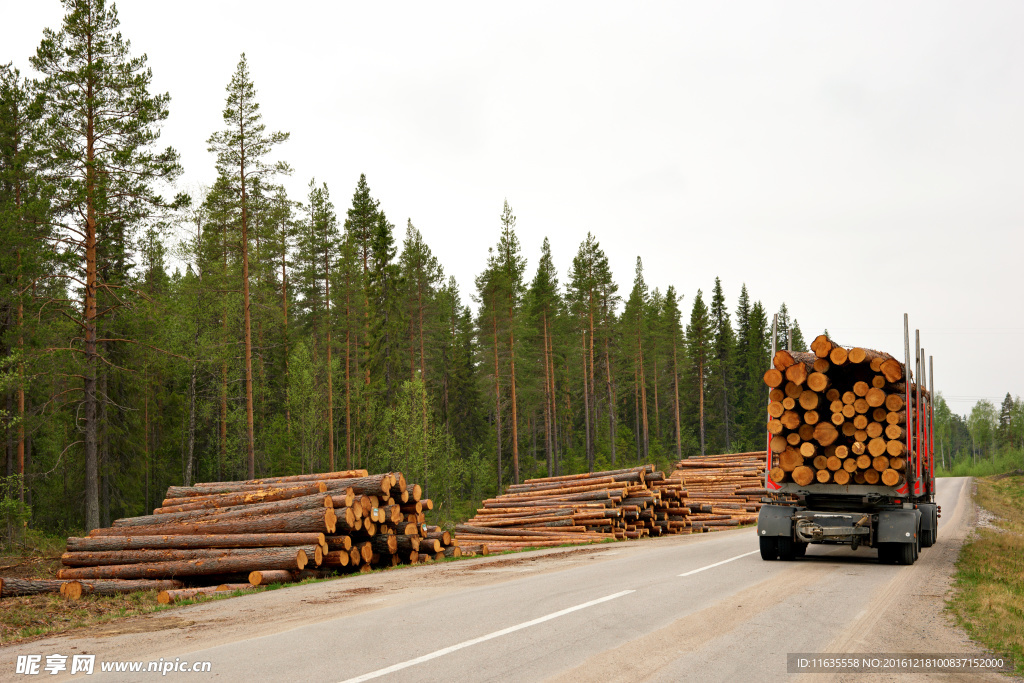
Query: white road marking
{"points": [[466, 643], [716, 564]]}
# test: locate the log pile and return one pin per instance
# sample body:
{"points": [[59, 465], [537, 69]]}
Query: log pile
{"points": [[618, 504], [722, 491], [837, 415], [258, 531]]}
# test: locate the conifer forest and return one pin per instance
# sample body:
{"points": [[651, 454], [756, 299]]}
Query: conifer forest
{"points": [[151, 336]]}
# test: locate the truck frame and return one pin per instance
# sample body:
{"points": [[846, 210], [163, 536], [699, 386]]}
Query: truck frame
{"points": [[898, 521]]}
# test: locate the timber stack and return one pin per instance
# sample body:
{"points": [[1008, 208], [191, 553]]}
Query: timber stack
{"points": [[280, 529], [586, 508], [837, 415], [722, 491]]}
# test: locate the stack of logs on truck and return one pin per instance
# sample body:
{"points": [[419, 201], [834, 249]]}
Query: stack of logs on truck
{"points": [[703, 494], [837, 416], [276, 529]]}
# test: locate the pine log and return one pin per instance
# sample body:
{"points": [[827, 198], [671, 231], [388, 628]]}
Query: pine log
{"points": [[339, 542], [788, 403], [874, 430], [895, 448], [321, 476], [894, 403], [892, 369], [337, 558], [820, 462], [822, 346], [10, 587], [850, 465], [775, 409], [783, 359], [863, 461], [875, 397], [265, 577], [74, 590], [871, 476], [266, 495], [876, 447], [275, 559], [823, 476], [896, 418], [790, 459], [315, 520], [376, 485], [841, 477], [838, 356], [803, 475], [895, 432], [806, 432], [110, 557], [809, 400], [384, 545], [139, 542], [793, 390], [861, 388], [825, 433], [817, 381], [777, 474], [891, 477], [317, 500]]}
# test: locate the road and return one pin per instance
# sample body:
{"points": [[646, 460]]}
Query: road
{"points": [[670, 609]]}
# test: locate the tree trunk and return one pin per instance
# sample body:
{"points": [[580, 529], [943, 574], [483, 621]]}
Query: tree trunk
{"points": [[284, 313], [250, 442], [21, 378], [700, 389], [547, 396], [223, 454], [675, 385], [497, 385], [643, 394], [515, 415], [330, 371], [611, 399], [586, 407], [92, 502]]}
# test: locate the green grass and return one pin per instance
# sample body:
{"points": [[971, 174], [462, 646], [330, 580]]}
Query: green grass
{"points": [[1007, 460], [989, 583]]}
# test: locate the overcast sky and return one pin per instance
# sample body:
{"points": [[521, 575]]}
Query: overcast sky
{"points": [[855, 160]]}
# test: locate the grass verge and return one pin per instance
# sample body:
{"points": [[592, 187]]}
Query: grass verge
{"points": [[988, 600]]}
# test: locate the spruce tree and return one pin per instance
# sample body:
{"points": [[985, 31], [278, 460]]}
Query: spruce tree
{"points": [[241, 149], [699, 352], [723, 375], [102, 126], [635, 329], [672, 323], [799, 344], [782, 330]]}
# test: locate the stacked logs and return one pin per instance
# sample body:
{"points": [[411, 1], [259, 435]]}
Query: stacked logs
{"points": [[586, 508], [281, 528], [837, 415], [722, 491]]}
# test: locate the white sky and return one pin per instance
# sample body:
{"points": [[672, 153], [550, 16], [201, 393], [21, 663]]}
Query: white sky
{"points": [[856, 160]]}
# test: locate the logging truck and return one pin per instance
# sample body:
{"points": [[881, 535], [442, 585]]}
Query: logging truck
{"points": [[851, 437]]}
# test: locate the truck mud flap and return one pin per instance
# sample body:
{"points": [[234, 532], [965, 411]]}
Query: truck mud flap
{"points": [[898, 526], [775, 520]]}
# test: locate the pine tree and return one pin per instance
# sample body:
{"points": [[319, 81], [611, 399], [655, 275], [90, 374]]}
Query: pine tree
{"points": [[102, 127], [422, 275], [241, 149], [511, 265], [544, 304], [756, 360]]}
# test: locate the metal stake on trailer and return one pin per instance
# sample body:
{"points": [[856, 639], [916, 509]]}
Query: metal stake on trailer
{"points": [[931, 410], [909, 412], [916, 416], [768, 483], [926, 452]]}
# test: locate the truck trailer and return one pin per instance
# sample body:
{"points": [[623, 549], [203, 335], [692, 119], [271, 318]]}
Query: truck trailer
{"points": [[815, 493]]}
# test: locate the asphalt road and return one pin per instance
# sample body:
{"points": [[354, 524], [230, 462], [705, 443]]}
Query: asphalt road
{"points": [[671, 609]]}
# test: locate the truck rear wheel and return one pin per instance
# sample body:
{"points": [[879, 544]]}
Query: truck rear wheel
{"points": [[800, 549], [787, 549], [906, 553], [769, 547]]}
